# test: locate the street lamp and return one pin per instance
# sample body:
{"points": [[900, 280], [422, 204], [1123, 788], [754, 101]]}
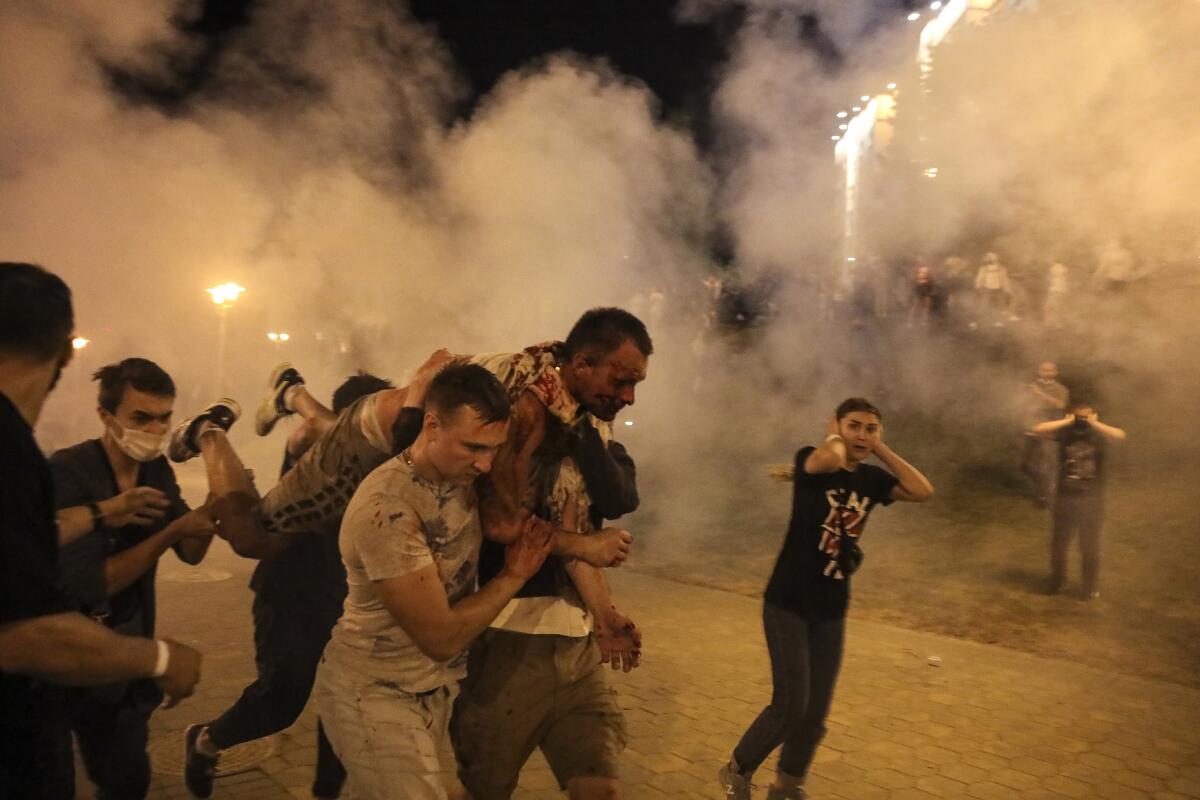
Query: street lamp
{"points": [[224, 296], [79, 342], [278, 337]]}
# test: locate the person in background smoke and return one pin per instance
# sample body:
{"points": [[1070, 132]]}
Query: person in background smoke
{"points": [[1056, 296], [1044, 399], [993, 287], [928, 304], [1079, 501], [809, 591], [298, 597], [109, 572], [43, 640]]}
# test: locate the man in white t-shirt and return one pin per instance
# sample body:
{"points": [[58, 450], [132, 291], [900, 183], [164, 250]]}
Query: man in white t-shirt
{"points": [[410, 541]]}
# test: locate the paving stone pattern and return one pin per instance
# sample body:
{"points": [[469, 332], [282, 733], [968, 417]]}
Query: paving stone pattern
{"points": [[916, 715]]}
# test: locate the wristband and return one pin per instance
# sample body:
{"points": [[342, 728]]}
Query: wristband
{"points": [[833, 436], [164, 659], [97, 514]]}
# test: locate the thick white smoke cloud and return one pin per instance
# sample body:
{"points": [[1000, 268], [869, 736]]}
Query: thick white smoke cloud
{"points": [[321, 172]]}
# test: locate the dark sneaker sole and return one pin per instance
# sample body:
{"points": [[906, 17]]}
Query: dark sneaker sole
{"points": [[198, 785]]}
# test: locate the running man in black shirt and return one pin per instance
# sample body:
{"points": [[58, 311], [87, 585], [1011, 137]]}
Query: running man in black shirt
{"points": [[809, 591], [298, 596], [43, 640]]}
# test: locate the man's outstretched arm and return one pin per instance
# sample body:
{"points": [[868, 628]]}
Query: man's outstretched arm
{"points": [[71, 649]]}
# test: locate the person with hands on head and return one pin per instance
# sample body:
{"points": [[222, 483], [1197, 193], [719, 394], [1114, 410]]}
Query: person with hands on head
{"points": [[808, 595], [410, 542], [1079, 499], [44, 641]]}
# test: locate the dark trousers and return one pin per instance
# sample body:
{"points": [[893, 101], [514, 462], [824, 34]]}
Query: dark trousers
{"points": [[112, 726], [1075, 513], [35, 753], [805, 659], [290, 634], [1037, 462]]}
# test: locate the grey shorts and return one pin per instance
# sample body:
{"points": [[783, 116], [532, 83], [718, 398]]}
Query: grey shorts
{"points": [[392, 742]]}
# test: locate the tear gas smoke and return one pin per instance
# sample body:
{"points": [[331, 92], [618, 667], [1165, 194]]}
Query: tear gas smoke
{"points": [[323, 169]]}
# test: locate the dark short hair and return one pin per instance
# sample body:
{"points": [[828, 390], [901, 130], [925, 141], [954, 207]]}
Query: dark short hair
{"points": [[36, 318], [602, 330], [468, 385], [140, 373], [852, 404], [356, 386]]}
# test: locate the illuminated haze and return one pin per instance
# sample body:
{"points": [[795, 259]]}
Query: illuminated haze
{"points": [[326, 173]]}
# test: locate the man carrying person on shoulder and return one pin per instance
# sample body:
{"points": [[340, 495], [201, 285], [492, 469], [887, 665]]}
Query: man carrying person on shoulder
{"points": [[410, 541]]}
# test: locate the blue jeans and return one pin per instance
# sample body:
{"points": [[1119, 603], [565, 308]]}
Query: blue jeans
{"points": [[805, 659]]}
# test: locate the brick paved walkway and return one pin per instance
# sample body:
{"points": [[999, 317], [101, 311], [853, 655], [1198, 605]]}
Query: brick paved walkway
{"points": [[916, 715]]}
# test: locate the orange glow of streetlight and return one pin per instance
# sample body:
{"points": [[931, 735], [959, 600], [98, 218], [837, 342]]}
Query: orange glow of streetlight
{"points": [[225, 294]]}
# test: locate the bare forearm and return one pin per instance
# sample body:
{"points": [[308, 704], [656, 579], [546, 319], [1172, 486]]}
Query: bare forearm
{"points": [[829, 457], [912, 480], [74, 650], [73, 523], [471, 616], [123, 569], [592, 587], [1050, 427], [1110, 431]]}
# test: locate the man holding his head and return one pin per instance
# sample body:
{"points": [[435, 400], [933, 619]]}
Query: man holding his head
{"points": [[1079, 499], [43, 639], [805, 606], [410, 542]]}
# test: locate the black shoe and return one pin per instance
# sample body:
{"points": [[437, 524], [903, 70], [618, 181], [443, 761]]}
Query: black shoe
{"points": [[222, 413], [198, 769], [272, 408], [327, 788]]}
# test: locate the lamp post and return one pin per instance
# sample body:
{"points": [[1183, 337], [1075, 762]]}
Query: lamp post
{"points": [[224, 296]]}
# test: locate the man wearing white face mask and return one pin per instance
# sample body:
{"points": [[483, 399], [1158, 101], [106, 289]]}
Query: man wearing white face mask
{"points": [[118, 495]]}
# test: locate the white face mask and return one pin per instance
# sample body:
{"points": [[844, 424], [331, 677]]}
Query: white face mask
{"points": [[140, 445]]}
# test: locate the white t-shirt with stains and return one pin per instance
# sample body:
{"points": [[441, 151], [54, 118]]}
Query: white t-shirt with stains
{"points": [[396, 524]]}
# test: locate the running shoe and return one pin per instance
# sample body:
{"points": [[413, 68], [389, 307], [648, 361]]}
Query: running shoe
{"points": [[272, 408], [198, 769], [185, 438], [736, 786]]}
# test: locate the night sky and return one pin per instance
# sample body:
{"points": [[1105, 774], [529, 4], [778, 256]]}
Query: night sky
{"points": [[679, 62]]}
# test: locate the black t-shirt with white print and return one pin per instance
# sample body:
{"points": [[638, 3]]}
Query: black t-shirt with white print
{"points": [[1081, 454], [825, 507]]}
